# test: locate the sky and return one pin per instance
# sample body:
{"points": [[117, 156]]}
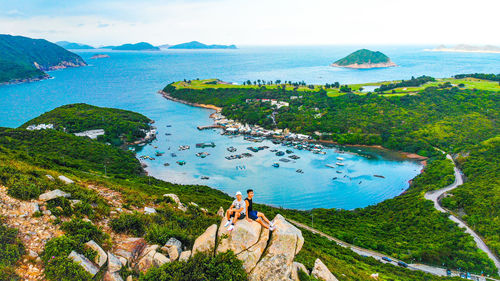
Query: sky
{"points": [[255, 22]]}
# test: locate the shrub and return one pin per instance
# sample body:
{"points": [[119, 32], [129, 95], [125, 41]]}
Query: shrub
{"points": [[224, 266], [64, 203], [8, 273], [82, 231], [24, 190], [129, 223], [11, 248]]}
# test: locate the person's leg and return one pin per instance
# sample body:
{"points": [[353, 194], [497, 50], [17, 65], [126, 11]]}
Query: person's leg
{"points": [[262, 216], [236, 216], [228, 214], [259, 220]]}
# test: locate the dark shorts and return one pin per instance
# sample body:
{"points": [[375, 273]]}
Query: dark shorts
{"points": [[242, 216], [253, 215]]}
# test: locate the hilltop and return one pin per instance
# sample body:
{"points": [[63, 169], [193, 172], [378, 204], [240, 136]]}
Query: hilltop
{"points": [[24, 59], [141, 46], [74, 46], [198, 45], [363, 59], [115, 126]]}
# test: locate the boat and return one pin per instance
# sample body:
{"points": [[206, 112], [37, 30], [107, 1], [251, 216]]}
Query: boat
{"points": [[181, 162], [285, 160], [340, 164], [330, 166], [166, 164], [158, 153], [168, 126], [379, 176], [340, 158], [168, 134], [254, 149], [339, 172], [280, 153], [202, 154], [184, 147], [334, 178], [204, 178], [205, 144], [276, 165], [231, 149], [173, 154], [273, 150], [288, 151], [294, 157], [299, 171]]}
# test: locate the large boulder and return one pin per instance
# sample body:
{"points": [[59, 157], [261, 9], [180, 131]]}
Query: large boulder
{"points": [[149, 210], [160, 259], [173, 247], [206, 242], [101, 257], [65, 180], [297, 266], [185, 256], [112, 276], [146, 261], [277, 262], [321, 272], [114, 263], [53, 194], [251, 256], [84, 262], [131, 248]]}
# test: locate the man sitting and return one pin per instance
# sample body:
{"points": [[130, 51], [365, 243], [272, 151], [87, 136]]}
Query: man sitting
{"points": [[254, 215], [236, 211]]}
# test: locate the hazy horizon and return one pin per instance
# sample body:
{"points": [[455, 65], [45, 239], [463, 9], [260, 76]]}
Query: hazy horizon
{"points": [[255, 23]]}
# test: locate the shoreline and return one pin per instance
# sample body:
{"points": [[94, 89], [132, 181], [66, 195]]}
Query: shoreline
{"points": [[403, 154]]}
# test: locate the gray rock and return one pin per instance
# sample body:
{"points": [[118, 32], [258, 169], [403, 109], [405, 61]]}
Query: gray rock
{"points": [[101, 256], [65, 180], [174, 197], [321, 272], [53, 194], [47, 212], [32, 254], [206, 241], [173, 247], [149, 210], [84, 262], [114, 263]]}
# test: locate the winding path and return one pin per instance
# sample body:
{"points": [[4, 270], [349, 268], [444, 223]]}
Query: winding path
{"points": [[436, 195]]}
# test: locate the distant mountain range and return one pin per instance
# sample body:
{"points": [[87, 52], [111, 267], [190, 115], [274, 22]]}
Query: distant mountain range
{"points": [[364, 59], [24, 59], [198, 45], [467, 49], [74, 46]]}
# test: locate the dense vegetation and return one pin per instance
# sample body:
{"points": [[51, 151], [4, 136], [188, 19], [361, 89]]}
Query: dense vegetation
{"points": [[119, 125], [11, 250], [363, 56], [18, 56], [477, 201], [491, 77]]}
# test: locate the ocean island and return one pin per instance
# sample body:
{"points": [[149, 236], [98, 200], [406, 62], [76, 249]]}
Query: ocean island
{"points": [[23, 59], [99, 56], [198, 45], [141, 46], [364, 59]]}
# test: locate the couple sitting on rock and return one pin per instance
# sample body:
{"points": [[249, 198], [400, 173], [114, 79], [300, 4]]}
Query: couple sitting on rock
{"points": [[244, 208]]}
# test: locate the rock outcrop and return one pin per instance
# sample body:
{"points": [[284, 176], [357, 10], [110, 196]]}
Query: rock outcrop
{"points": [[173, 247], [53, 194], [321, 272], [265, 255], [84, 262], [297, 266], [101, 257]]}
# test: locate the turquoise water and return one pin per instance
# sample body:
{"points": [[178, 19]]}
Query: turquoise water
{"points": [[130, 80]]}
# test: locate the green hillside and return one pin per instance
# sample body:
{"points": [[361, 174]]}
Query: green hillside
{"points": [[363, 56], [120, 125], [25, 58]]}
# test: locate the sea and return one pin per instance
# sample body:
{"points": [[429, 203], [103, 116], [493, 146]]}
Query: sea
{"points": [[131, 80]]}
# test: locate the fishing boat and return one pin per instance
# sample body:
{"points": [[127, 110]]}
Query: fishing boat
{"points": [[339, 164], [299, 171], [202, 154], [288, 151], [181, 162], [340, 158], [339, 172], [294, 157], [379, 176], [273, 150], [285, 160], [173, 154], [280, 153], [158, 153], [205, 144], [254, 149], [334, 178], [276, 165]]}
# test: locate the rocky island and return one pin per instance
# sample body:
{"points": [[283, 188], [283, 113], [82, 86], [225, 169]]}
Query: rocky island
{"points": [[23, 59], [141, 46], [365, 59], [99, 56]]}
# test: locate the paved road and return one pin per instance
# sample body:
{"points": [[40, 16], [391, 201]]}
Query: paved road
{"points": [[436, 195]]}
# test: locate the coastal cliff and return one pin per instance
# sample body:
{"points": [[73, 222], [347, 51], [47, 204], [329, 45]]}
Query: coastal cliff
{"points": [[364, 59]]}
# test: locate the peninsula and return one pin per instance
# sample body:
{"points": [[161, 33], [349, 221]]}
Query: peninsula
{"points": [[462, 48], [23, 59], [364, 59]]}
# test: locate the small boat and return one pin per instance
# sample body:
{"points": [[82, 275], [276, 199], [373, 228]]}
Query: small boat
{"points": [[205, 144], [168, 134], [339, 172], [181, 162], [340, 164], [166, 164], [334, 178], [294, 157], [231, 149], [340, 158], [173, 154], [379, 176], [285, 160], [158, 153], [280, 153], [276, 165], [273, 150], [253, 149], [299, 171], [330, 166], [204, 178], [168, 126], [288, 151]]}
